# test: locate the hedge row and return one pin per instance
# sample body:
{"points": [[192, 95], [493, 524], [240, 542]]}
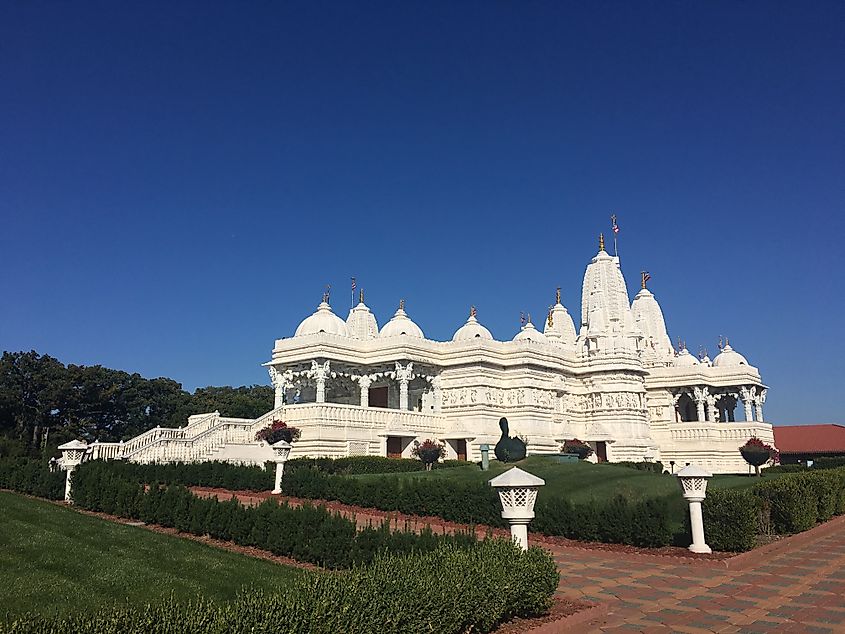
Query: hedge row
{"points": [[210, 474], [305, 533], [449, 589], [655, 467], [32, 477], [617, 521], [356, 465], [789, 504]]}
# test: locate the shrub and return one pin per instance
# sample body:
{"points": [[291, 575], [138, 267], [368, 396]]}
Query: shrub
{"points": [[790, 503], [277, 431], [655, 467], [449, 589], [757, 453], [731, 519], [579, 448], [32, 477], [429, 452]]}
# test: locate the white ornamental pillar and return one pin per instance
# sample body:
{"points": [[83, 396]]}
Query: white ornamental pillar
{"points": [[712, 410], [437, 393], [404, 376], [700, 395], [281, 451], [364, 383], [758, 404], [320, 372], [72, 454], [518, 492], [279, 385], [747, 394], [693, 481]]}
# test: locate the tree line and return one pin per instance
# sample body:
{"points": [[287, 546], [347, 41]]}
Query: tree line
{"points": [[44, 403]]}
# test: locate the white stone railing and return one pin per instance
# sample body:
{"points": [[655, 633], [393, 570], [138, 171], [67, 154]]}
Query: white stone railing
{"points": [[336, 415], [721, 431]]}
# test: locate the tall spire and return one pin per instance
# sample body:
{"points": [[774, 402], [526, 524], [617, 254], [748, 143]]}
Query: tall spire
{"points": [[601, 242], [645, 276], [361, 296], [557, 295]]}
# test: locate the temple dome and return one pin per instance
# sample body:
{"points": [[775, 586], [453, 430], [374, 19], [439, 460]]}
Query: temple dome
{"points": [[729, 358], [560, 328], [529, 333], [323, 320], [685, 359], [401, 324], [361, 322], [472, 330], [648, 318]]}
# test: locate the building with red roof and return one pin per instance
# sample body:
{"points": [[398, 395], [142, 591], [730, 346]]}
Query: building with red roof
{"points": [[798, 443]]}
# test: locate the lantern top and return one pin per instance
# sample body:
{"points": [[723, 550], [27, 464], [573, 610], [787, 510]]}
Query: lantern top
{"points": [[282, 444], [72, 445], [691, 471], [516, 477]]}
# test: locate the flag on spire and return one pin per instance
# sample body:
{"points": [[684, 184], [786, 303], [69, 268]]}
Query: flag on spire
{"points": [[614, 225]]}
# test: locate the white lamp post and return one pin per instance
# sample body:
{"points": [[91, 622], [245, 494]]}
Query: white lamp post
{"points": [[693, 481], [518, 492], [281, 450], [72, 454]]}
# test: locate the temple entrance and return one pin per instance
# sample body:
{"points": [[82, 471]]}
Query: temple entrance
{"points": [[601, 451], [378, 397], [461, 448], [394, 445]]}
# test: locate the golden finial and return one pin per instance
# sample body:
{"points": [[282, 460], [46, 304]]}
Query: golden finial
{"points": [[472, 311], [645, 276], [361, 296], [550, 319], [529, 318], [601, 242], [557, 295], [401, 304]]}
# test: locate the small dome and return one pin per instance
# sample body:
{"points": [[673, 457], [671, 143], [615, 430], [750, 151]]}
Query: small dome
{"points": [[401, 324], [361, 322], [685, 359], [729, 358], [530, 333], [472, 330], [324, 320], [559, 326]]}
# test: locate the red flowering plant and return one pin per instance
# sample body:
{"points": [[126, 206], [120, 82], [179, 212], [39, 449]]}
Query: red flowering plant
{"points": [[279, 430], [579, 448], [757, 453], [429, 451]]}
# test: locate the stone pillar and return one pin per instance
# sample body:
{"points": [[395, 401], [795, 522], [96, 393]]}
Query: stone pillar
{"points": [[404, 376], [758, 404], [364, 383], [320, 372], [747, 395], [700, 396], [279, 385], [711, 408], [437, 393]]}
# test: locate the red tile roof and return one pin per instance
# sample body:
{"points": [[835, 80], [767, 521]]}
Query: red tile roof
{"points": [[810, 438]]}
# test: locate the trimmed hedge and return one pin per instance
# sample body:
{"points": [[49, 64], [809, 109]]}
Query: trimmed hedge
{"points": [[644, 523], [731, 519], [449, 590], [305, 533], [655, 467], [356, 465], [32, 477]]}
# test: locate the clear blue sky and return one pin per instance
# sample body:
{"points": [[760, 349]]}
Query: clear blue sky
{"points": [[178, 181]]}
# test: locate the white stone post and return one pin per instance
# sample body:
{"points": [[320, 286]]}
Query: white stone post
{"points": [[404, 376], [693, 481], [281, 450], [319, 372], [518, 492], [436, 388], [72, 454]]}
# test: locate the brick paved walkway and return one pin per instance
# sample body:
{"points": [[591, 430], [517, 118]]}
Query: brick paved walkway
{"points": [[795, 586], [800, 590]]}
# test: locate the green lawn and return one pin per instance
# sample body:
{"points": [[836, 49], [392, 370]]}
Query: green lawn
{"points": [[577, 481], [585, 481], [54, 560]]}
